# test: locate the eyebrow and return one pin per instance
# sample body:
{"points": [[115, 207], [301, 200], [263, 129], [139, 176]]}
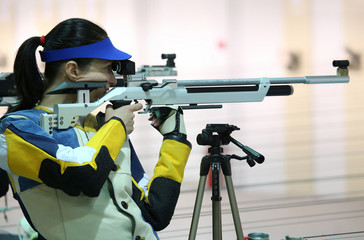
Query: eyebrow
{"points": [[105, 62]]}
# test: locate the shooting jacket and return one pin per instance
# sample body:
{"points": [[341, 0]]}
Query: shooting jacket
{"points": [[86, 182]]}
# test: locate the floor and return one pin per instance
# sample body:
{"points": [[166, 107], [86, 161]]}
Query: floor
{"points": [[333, 215]]}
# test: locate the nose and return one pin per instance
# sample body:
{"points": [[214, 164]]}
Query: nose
{"points": [[112, 80]]}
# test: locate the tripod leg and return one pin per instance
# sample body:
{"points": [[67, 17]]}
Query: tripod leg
{"points": [[197, 208], [216, 223], [234, 208]]}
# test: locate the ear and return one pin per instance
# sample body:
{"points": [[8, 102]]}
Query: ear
{"points": [[72, 70]]}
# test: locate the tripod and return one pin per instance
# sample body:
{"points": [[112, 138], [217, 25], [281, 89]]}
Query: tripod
{"points": [[216, 161]]}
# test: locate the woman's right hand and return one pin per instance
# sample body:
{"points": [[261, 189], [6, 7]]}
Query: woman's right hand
{"points": [[125, 113]]}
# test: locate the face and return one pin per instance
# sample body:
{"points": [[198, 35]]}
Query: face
{"points": [[98, 71]]}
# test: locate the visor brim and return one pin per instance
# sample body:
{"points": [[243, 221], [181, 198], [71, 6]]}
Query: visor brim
{"points": [[101, 50]]}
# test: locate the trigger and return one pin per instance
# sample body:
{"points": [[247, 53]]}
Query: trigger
{"points": [[147, 108]]}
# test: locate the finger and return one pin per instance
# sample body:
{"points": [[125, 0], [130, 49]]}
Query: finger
{"points": [[109, 106], [108, 109], [135, 107], [156, 122], [131, 130]]}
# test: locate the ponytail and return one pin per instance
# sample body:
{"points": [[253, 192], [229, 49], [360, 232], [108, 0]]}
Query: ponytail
{"points": [[28, 79]]}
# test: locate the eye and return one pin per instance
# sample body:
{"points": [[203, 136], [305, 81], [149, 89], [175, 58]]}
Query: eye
{"points": [[110, 67], [114, 66]]}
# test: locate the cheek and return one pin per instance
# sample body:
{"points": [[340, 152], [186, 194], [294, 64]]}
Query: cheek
{"points": [[96, 76]]}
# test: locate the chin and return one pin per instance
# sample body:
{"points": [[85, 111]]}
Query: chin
{"points": [[97, 94]]}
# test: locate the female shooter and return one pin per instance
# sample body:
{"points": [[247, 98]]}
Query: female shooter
{"points": [[86, 182]]}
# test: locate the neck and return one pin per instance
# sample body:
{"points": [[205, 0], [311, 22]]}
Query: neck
{"points": [[48, 100]]}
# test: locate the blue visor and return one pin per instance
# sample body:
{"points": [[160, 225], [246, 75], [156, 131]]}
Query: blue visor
{"points": [[101, 50]]}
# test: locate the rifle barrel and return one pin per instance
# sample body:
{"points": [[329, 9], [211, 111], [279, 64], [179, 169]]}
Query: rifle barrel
{"points": [[256, 81]]}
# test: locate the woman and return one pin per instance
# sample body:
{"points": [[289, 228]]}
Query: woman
{"points": [[86, 182]]}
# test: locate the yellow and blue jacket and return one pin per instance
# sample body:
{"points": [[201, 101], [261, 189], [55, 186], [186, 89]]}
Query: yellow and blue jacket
{"points": [[86, 182]]}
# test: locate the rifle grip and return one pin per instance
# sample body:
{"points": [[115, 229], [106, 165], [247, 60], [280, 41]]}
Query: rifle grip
{"points": [[119, 103], [100, 117]]}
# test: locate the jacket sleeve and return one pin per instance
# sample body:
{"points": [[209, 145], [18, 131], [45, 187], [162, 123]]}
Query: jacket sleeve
{"points": [[158, 203], [32, 153]]}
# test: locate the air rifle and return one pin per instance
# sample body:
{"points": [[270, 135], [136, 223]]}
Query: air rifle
{"points": [[189, 94]]}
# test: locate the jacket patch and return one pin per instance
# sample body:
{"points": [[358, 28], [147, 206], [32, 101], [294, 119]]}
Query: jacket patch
{"points": [[80, 179]]}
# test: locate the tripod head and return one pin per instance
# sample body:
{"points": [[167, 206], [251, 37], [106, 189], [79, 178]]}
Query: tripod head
{"points": [[207, 137], [222, 138]]}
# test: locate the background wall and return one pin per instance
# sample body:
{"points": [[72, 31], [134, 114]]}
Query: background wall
{"points": [[314, 135]]}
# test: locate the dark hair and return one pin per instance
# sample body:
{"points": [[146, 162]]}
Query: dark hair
{"points": [[30, 85]]}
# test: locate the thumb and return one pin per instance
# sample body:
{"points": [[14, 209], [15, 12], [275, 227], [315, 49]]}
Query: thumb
{"points": [[108, 106], [135, 107]]}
